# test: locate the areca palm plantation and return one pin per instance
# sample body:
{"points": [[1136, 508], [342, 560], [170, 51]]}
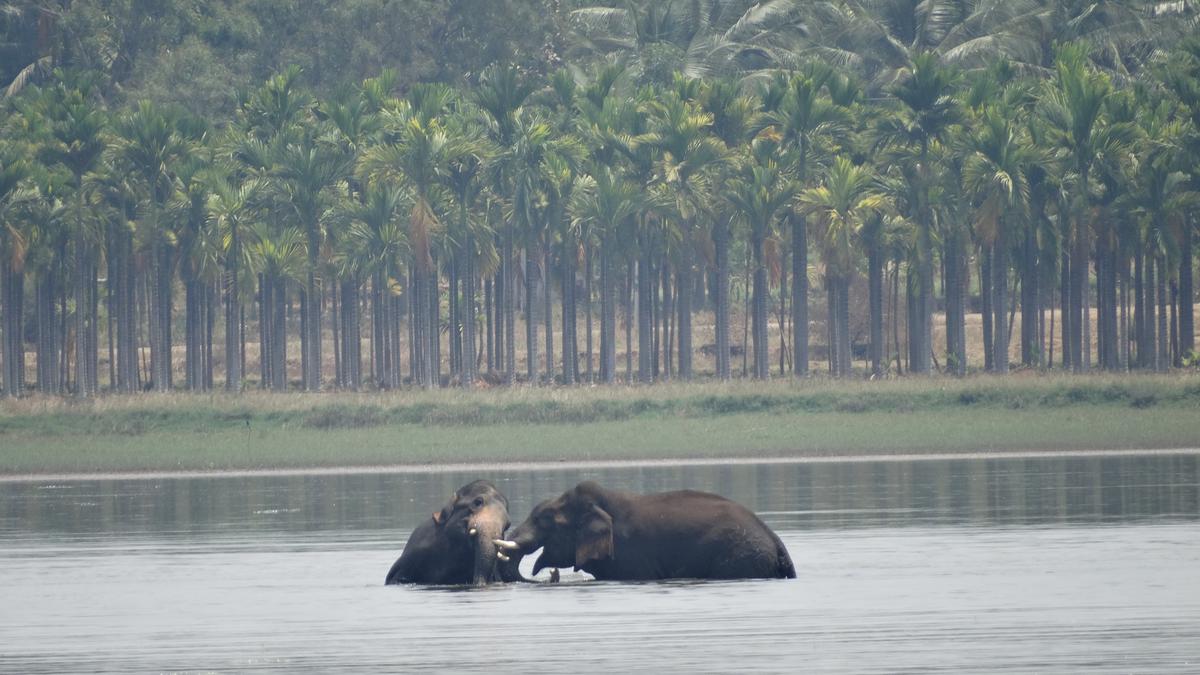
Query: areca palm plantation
{"points": [[279, 258], [1074, 109], [465, 178], [926, 113], [419, 156], [1160, 195], [74, 141], [232, 209], [995, 171], [802, 113], [374, 246], [150, 145], [842, 205], [761, 194], [501, 94], [307, 170], [733, 115], [13, 244], [687, 151], [604, 203]]}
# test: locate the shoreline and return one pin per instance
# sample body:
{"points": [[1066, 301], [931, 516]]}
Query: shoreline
{"points": [[524, 465]]}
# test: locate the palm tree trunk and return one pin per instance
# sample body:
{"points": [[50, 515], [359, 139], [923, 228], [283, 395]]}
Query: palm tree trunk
{"points": [[668, 312], [12, 348], [799, 295], [531, 319], [645, 320], [955, 306], [1030, 309], [1150, 343], [987, 302], [1064, 304], [683, 291], [1175, 360], [721, 244], [279, 372], [467, 309], [627, 298], [510, 312], [843, 317], [570, 344], [1187, 324], [1163, 356], [999, 305], [1123, 328], [587, 301], [608, 356], [489, 325], [759, 320], [233, 336], [433, 327], [548, 315], [1139, 309], [875, 300]]}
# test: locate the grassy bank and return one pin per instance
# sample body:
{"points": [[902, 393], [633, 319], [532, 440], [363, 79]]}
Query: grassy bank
{"points": [[665, 421]]}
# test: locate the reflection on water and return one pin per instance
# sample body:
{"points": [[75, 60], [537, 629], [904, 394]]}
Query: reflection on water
{"points": [[850, 494], [1029, 564]]}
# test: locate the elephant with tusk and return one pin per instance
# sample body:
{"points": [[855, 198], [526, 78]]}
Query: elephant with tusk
{"points": [[456, 545], [616, 535]]}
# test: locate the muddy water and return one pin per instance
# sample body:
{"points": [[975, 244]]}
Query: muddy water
{"points": [[1020, 565]]}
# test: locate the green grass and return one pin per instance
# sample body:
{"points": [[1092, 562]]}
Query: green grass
{"points": [[185, 432]]}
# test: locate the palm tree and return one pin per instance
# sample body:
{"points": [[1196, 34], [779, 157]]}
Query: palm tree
{"points": [[465, 178], [801, 112], [995, 170], [1074, 109], [307, 168], [75, 141], [733, 116], [697, 39], [231, 212], [1160, 194], [501, 94], [842, 205], [149, 144], [604, 202], [687, 152], [925, 115], [761, 194], [375, 246], [279, 258], [13, 246], [416, 160]]}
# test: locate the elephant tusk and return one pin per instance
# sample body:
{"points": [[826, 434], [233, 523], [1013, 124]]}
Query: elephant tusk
{"points": [[472, 532], [506, 544], [502, 556]]}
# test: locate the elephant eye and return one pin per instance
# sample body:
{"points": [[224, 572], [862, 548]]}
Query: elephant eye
{"points": [[478, 502]]}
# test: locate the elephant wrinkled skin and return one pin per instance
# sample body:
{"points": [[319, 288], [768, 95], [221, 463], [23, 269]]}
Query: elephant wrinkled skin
{"points": [[672, 535], [457, 544]]}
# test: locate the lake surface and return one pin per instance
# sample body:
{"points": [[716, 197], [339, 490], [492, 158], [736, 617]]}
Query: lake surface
{"points": [[1045, 564]]}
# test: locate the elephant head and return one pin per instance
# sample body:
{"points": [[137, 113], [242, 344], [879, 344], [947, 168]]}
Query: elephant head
{"points": [[458, 544], [572, 530]]}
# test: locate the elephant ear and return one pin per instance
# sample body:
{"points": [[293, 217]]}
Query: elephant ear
{"points": [[595, 541]]}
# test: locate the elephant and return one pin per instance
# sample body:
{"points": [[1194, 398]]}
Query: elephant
{"points": [[457, 544], [620, 536]]}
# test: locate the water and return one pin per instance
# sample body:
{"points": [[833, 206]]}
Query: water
{"points": [[1019, 565]]}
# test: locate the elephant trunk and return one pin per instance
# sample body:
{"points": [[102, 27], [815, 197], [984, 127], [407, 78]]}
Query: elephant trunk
{"points": [[487, 525]]}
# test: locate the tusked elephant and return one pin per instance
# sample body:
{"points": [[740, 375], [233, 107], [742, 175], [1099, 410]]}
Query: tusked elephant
{"points": [[457, 544], [672, 535]]}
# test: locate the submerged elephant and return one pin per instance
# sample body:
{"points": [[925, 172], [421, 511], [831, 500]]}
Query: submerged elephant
{"points": [[457, 544], [672, 535]]}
